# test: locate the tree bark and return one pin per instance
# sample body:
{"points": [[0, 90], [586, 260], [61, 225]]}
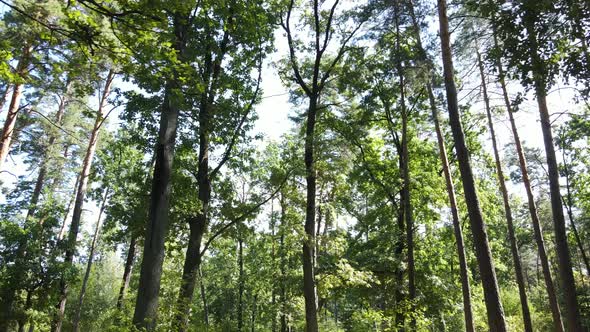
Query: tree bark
{"points": [[146, 305], [524, 303], [240, 284], [495, 311], [569, 205], [568, 285], [309, 287], [80, 196], [405, 172], [283, 266], [464, 275], [76, 322], [198, 224], [538, 231], [13, 109], [127, 271]]}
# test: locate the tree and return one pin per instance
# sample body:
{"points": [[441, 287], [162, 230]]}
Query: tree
{"points": [[495, 310]]}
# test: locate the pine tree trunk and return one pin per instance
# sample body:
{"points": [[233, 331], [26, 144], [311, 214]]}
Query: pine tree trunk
{"points": [[524, 303], [76, 321], [568, 285], [569, 205], [62, 229], [13, 109], [127, 271], [495, 311], [538, 231], [80, 196]]}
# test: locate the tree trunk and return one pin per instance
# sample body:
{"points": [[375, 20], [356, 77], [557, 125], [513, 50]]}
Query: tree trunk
{"points": [[203, 298], [309, 287], [495, 311], [569, 205], [567, 280], [199, 224], [89, 263], [538, 231], [62, 229], [127, 271], [13, 109], [80, 196], [405, 172], [240, 284], [465, 287], [146, 305], [524, 303], [283, 267]]}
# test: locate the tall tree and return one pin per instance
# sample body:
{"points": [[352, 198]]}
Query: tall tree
{"points": [[532, 205], [322, 24], [101, 115], [494, 307], [524, 302], [430, 78]]}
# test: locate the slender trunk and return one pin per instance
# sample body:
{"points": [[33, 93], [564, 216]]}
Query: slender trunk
{"points": [[466, 289], [62, 229], [240, 284], [89, 263], [524, 303], [203, 298], [80, 196], [495, 311], [273, 259], [13, 109], [568, 202], [538, 231], [127, 271], [309, 287], [199, 224], [283, 267], [567, 280], [405, 170]]}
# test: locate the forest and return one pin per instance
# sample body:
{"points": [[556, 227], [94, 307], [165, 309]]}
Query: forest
{"points": [[295, 165]]}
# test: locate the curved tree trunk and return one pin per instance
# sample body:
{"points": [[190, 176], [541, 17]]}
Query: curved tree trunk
{"points": [[80, 196], [524, 303], [538, 231], [495, 311]]}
